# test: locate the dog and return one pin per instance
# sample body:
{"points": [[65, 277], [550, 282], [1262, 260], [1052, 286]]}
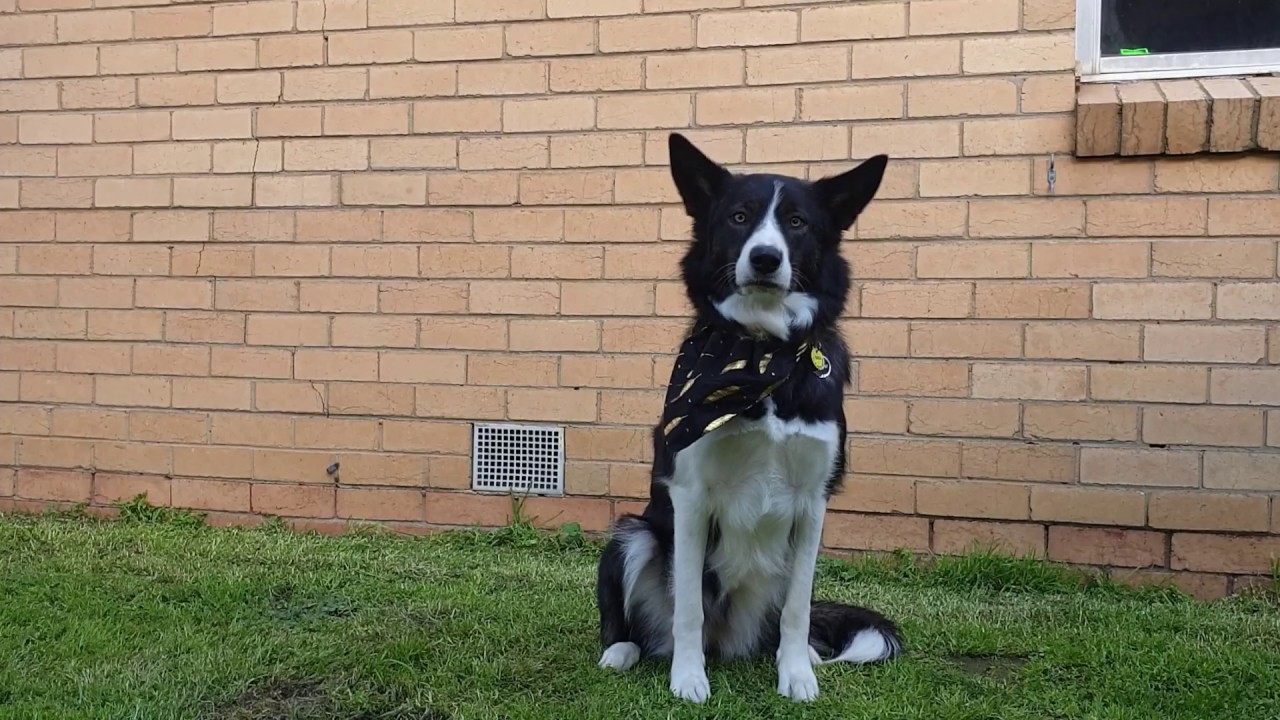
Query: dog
{"points": [[751, 443]]}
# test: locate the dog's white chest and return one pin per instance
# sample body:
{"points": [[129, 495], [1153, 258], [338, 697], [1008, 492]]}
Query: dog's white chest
{"points": [[757, 477]]}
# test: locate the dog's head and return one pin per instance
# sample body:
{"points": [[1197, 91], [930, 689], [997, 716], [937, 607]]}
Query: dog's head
{"points": [[766, 248]]}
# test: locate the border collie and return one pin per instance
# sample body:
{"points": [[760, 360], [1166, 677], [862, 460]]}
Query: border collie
{"points": [[751, 442]]}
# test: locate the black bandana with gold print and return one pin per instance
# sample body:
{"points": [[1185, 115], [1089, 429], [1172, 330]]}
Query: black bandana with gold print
{"points": [[720, 374]]}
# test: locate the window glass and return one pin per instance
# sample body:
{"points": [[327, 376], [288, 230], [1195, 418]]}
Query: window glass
{"points": [[1157, 27]]}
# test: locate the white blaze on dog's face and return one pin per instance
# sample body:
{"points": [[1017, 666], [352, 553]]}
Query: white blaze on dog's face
{"points": [[766, 247]]}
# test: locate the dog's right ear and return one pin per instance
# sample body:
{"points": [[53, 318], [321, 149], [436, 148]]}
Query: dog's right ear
{"points": [[697, 177]]}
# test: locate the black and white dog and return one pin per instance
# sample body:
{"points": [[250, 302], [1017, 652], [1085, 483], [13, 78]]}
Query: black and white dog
{"points": [[751, 444]]}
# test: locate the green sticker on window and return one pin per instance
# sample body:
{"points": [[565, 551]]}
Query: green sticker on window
{"points": [[1134, 51]]}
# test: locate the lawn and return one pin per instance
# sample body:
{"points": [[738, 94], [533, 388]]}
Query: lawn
{"points": [[156, 616]]}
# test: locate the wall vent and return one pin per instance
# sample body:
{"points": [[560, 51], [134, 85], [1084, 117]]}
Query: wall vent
{"points": [[524, 459]]}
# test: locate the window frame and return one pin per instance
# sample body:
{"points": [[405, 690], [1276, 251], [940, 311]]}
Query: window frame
{"points": [[1093, 67]]}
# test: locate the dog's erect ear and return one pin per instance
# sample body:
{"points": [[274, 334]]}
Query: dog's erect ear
{"points": [[849, 192], [698, 177]]}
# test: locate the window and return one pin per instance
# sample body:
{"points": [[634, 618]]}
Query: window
{"points": [[1128, 39]]}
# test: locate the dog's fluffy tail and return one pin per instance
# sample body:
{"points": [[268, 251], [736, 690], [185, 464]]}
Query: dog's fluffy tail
{"points": [[845, 633]]}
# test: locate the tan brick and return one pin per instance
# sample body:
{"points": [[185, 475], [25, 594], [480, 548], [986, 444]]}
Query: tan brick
{"points": [[717, 68], [1090, 506], [1152, 301], [1245, 387], [1023, 136], [1106, 546], [787, 65], [859, 102], [1242, 471], [966, 498], [640, 34], [217, 55], [1147, 217], [906, 58], [930, 218], [1089, 260], [506, 78], [972, 260], [53, 485], [1032, 382], [458, 43], [95, 26], [1131, 466], [296, 397], [750, 28], [325, 84], [133, 126], [548, 114], [131, 192], [1212, 174], [1224, 553], [55, 129], [421, 297], [1048, 14], [1232, 111], [610, 371], [876, 415], [1019, 461], [874, 493], [251, 362], [73, 61], [917, 300], [388, 262], [960, 340], [1027, 53], [1208, 511], [1094, 177], [926, 139], [606, 298], [60, 193], [885, 338], [403, 12], [941, 98], [98, 93], [426, 226], [1213, 259], [1142, 117], [563, 336], [507, 152], [172, 22], [470, 333], [568, 188], [1149, 383], [255, 295], [885, 260], [944, 17], [461, 402], [597, 150], [930, 378], [85, 423], [959, 537], [964, 418], [1244, 301], [875, 532], [1049, 93], [1202, 426], [1026, 218], [514, 297], [463, 261], [132, 457], [1202, 343], [582, 262], [220, 495], [248, 87], [345, 154], [363, 48], [293, 501], [1080, 422], [290, 51], [857, 22]]}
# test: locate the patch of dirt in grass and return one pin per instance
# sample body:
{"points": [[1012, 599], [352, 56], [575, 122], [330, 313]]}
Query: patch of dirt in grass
{"points": [[996, 667], [303, 700]]}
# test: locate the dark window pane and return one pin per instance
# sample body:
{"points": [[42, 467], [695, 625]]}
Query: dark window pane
{"points": [[1139, 27]]}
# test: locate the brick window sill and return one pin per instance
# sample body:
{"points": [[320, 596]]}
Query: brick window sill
{"points": [[1178, 117]]}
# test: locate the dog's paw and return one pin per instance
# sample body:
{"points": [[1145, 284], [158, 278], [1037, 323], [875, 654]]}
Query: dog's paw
{"points": [[620, 656], [691, 684], [797, 681]]}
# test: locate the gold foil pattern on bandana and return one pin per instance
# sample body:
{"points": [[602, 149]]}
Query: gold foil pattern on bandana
{"points": [[718, 423], [722, 393]]}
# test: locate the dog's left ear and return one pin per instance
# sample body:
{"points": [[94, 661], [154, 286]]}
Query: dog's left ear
{"points": [[697, 177], [849, 192]]}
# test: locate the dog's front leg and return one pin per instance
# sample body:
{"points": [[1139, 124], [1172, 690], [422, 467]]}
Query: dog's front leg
{"points": [[688, 658], [796, 678]]}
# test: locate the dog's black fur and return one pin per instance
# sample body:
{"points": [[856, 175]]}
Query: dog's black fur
{"points": [[726, 209]]}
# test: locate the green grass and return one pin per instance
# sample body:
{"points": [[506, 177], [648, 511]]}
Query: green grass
{"points": [[156, 616]]}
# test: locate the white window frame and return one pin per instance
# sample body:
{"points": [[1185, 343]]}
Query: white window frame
{"points": [[1092, 67]]}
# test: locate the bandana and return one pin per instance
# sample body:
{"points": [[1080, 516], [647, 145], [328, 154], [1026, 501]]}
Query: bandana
{"points": [[720, 374]]}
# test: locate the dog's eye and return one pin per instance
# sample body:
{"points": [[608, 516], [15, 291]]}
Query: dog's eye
{"points": [[797, 221], [740, 218]]}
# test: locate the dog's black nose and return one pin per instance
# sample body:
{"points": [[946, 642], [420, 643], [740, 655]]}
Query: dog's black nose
{"points": [[765, 260]]}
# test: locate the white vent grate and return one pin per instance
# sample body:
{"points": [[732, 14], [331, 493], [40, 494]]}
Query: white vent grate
{"points": [[517, 458]]}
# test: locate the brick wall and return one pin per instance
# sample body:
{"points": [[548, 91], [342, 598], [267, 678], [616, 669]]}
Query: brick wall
{"points": [[241, 241]]}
